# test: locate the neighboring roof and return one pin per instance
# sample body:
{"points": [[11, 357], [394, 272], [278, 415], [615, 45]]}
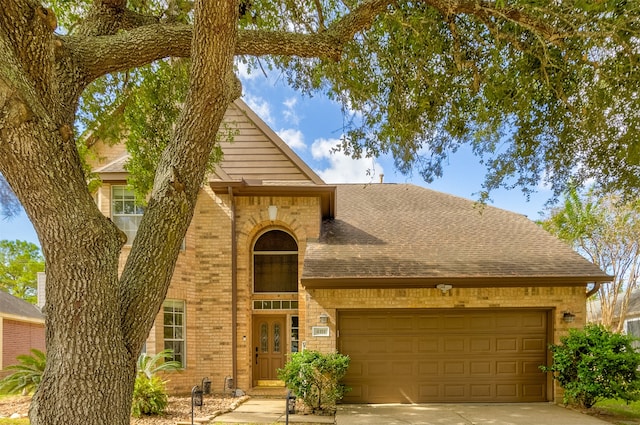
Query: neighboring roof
{"points": [[18, 308], [400, 234]]}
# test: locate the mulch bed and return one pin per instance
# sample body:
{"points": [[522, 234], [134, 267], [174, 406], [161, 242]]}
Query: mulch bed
{"points": [[179, 409]]}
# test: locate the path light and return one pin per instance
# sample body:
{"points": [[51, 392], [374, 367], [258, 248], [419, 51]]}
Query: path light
{"points": [[196, 399], [206, 386]]}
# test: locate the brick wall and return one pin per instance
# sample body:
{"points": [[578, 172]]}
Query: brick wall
{"points": [[18, 338]]}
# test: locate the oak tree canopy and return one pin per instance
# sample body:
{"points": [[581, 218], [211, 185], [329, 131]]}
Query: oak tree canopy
{"points": [[543, 91]]}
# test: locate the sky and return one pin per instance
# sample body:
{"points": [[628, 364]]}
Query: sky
{"points": [[311, 126]]}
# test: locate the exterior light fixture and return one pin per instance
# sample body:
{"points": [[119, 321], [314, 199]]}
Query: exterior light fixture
{"points": [[273, 212], [444, 287], [324, 318], [206, 386], [568, 317]]}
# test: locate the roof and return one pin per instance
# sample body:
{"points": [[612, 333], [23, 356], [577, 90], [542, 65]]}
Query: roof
{"points": [[13, 306], [401, 234]]}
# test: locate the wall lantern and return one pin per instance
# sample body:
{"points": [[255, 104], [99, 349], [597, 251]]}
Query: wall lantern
{"points": [[568, 317], [273, 212], [324, 318]]}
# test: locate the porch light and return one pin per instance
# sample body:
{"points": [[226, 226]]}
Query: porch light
{"points": [[324, 318], [273, 212], [568, 317]]}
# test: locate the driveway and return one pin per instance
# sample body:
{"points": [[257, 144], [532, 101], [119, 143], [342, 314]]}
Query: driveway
{"points": [[462, 414]]}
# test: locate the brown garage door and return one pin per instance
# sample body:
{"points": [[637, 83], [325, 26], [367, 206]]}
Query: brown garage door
{"points": [[418, 356]]}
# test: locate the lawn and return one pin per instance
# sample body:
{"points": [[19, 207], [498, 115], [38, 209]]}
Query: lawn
{"points": [[7, 421], [620, 411]]}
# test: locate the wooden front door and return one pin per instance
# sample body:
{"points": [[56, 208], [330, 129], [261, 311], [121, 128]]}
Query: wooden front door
{"points": [[269, 346]]}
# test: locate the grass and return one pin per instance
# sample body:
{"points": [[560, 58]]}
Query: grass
{"points": [[620, 408], [7, 421]]}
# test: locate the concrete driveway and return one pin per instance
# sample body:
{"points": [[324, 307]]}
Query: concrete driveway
{"points": [[462, 414]]}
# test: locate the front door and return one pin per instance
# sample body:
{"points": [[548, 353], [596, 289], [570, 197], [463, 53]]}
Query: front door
{"points": [[269, 345]]}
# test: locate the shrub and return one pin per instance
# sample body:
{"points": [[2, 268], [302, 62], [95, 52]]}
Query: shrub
{"points": [[314, 377], [149, 396], [27, 374], [149, 392], [594, 364]]}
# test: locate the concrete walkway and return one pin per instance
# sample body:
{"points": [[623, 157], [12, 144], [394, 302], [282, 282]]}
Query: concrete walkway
{"points": [[272, 411], [462, 414]]}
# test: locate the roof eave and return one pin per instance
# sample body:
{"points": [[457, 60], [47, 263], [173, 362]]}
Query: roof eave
{"points": [[326, 193], [456, 282]]}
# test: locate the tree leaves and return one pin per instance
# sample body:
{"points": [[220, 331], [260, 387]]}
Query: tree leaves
{"points": [[20, 261]]}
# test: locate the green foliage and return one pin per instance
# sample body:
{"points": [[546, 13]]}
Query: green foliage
{"points": [[594, 364], [149, 396], [26, 375], [606, 230], [150, 365], [149, 393], [20, 261], [315, 377]]}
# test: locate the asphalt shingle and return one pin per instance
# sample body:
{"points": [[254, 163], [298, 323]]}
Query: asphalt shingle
{"points": [[406, 231]]}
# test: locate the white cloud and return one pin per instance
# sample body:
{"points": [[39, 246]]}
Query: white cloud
{"points": [[260, 106], [290, 113], [294, 138], [342, 168]]}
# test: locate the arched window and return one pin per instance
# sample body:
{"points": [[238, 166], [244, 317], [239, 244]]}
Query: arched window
{"points": [[275, 263]]}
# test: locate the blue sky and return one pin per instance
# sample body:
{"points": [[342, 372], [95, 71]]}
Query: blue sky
{"points": [[311, 126]]}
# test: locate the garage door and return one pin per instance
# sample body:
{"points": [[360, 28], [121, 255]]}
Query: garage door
{"points": [[418, 356]]}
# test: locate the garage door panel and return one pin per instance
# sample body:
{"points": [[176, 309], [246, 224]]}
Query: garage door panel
{"points": [[443, 356]]}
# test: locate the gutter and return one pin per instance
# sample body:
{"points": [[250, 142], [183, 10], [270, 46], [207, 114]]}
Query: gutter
{"points": [[234, 292], [596, 288]]}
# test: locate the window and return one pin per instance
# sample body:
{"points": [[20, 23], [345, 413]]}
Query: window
{"points": [[295, 339], [174, 330], [632, 326], [275, 263], [125, 212]]}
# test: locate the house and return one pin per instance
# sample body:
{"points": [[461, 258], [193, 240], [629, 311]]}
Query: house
{"points": [[21, 329], [434, 298]]}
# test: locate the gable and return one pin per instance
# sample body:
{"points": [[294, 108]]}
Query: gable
{"points": [[256, 154]]}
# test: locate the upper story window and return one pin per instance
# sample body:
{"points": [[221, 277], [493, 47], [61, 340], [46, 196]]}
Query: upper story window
{"points": [[275, 263], [125, 212]]}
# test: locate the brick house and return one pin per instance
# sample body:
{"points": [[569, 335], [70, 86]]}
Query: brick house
{"points": [[433, 298], [21, 329]]}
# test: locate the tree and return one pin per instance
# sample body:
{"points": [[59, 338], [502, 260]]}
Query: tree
{"points": [[539, 88], [20, 261], [607, 232]]}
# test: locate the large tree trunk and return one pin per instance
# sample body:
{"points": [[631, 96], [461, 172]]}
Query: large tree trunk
{"points": [[96, 320]]}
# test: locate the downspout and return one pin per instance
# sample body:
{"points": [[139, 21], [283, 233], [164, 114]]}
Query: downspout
{"points": [[234, 291], [596, 287]]}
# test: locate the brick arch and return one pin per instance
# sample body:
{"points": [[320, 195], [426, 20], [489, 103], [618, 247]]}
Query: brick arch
{"points": [[258, 225]]}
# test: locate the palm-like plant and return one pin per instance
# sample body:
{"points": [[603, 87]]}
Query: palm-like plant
{"points": [[150, 365], [27, 373]]}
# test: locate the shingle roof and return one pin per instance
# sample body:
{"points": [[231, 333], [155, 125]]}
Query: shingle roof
{"points": [[18, 307], [401, 231]]}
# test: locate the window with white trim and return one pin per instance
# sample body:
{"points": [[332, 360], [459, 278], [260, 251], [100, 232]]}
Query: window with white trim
{"points": [[174, 329], [126, 213]]}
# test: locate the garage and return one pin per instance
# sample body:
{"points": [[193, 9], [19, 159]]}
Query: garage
{"points": [[437, 355]]}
